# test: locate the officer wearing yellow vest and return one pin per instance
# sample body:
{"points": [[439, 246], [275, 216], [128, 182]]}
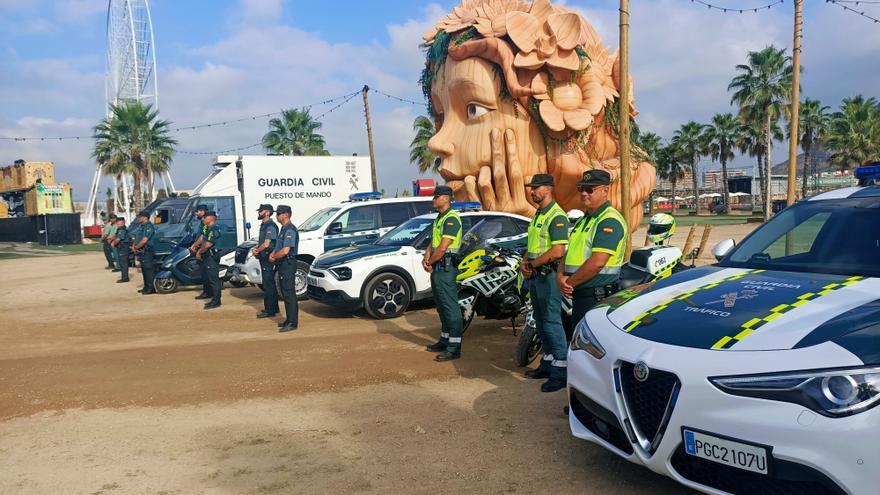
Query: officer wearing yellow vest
{"points": [[596, 248], [548, 235], [440, 262]]}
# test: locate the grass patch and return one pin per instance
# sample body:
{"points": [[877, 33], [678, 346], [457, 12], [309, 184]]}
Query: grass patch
{"points": [[688, 220], [71, 248]]}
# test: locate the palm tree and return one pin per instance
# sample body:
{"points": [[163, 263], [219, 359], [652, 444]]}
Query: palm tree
{"points": [[813, 121], [132, 140], [721, 137], [419, 154], [690, 145], [762, 89], [670, 168], [296, 134], [649, 143], [854, 132]]}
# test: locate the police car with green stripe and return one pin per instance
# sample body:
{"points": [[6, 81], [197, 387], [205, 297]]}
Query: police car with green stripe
{"points": [[386, 276], [759, 374]]}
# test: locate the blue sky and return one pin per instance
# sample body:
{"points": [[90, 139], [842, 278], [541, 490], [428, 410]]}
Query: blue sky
{"points": [[226, 59]]}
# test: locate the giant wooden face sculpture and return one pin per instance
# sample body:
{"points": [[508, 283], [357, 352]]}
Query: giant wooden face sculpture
{"points": [[517, 89]]}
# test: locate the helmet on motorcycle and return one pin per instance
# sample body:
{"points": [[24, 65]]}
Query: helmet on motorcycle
{"points": [[661, 227], [574, 215]]}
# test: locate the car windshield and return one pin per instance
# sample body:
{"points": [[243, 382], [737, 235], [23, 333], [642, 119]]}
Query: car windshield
{"points": [[479, 235], [831, 236], [315, 221], [406, 233]]}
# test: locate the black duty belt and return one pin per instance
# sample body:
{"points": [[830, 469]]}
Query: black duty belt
{"points": [[601, 292]]}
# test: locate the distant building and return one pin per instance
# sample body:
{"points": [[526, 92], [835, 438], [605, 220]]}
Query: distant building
{"points": [[712, 178]]}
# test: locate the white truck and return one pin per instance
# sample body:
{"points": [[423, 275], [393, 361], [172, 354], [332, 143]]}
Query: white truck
{"points": [[238, 185]]}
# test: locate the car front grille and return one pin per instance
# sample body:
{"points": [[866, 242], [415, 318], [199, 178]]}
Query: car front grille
{"points": [[649, 403], [241, 255], [600, 421], [786, 478], [316, 274]]}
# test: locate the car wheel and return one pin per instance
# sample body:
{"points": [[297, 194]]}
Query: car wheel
{"points": [[386, 295], [302, 284]]}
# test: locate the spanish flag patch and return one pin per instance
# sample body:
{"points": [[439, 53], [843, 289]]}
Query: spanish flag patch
{"points": [[450, 224], [607, 229]]}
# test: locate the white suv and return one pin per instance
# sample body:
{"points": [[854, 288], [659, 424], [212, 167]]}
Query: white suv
{"points": [[360, 220], [386, 276]]}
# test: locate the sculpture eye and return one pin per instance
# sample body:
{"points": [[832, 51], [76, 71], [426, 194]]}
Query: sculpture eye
{"points": [[475, 111]]}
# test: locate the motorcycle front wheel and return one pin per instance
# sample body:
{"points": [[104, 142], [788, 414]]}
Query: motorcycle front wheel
{"points": [[166, 285], [529, 346]]}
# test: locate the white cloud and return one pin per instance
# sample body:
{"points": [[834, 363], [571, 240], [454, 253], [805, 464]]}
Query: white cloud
{"points": [[79, 10]]}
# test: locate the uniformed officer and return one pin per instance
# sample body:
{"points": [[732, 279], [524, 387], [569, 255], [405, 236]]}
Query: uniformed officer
{"points": [[265, 246], [210, 256], [596, 249], [145, 247], [106, 233], [198, 228], [122, 245], [284, 257], [547, 237], [440, 262]]}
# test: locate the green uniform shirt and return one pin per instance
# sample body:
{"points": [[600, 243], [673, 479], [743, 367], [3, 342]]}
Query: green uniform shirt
{"points": [[134, 233], [147, 231], [110, 231], [212, 235], [609, 232], [122, 235]]}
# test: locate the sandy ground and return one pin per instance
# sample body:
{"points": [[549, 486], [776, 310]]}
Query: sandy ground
{"points": [[103, 390]]}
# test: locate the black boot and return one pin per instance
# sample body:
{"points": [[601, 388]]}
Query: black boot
{"points": [[553, 385], [265, 314], [288, 327], [537, 374], [438, 346], [447, 356], [203, 295]]}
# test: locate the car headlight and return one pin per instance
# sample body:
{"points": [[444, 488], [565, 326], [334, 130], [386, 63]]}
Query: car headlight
{"points": [[584, 340], [341, 272], [831, 393]]}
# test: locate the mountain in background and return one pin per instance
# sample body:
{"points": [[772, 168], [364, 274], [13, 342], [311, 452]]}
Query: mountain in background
{"points": [[819, 156]]}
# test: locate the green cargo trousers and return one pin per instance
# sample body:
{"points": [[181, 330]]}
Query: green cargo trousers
{"points": [[445, 292]]}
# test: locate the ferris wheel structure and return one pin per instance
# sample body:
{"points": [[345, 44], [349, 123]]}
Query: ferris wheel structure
{"points": [[131, 76]]}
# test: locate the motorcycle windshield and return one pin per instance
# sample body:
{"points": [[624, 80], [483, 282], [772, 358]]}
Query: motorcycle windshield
{"points": [[479, 236]]}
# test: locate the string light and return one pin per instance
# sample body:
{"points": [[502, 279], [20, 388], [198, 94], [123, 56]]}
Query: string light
{"points": [[730, 9], [232, 150], [841, 3], [403, 100]]}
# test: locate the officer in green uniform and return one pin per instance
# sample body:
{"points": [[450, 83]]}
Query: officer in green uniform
{"points": [[547, 237], [284, 258], [145, 247], [122, 247], [106, 233], [440, 262], [265, 246], [198, 229], [210, 257], [596, 248]]}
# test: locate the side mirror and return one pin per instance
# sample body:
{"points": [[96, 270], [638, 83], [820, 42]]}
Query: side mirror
{"points": [[334, 228], [722, 248], [247, 225]]}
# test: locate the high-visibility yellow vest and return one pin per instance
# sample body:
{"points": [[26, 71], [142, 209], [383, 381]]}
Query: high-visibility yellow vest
{"points": [[539, 231], [580, 243], [437, 232]]}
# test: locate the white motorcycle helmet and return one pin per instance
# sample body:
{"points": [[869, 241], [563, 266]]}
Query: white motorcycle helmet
{"points": [[574, 215], [661, 227]]}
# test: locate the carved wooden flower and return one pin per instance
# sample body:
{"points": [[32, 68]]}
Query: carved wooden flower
{"points": [[570, 105], [545, 37], [487, 16]]}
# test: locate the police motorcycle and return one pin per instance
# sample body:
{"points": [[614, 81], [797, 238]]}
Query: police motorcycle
{"points": [[490, 284], [645, 265], [181, 268]]}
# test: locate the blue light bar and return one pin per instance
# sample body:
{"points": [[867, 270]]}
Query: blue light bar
{"points": [[365, 196], [467, 206], [868, 174]]}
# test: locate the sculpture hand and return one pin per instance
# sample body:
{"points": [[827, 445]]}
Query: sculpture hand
{"points": [[501, 186]]}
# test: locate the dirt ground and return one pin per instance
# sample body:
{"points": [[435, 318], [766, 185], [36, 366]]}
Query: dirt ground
{"points": [[105, 391]]}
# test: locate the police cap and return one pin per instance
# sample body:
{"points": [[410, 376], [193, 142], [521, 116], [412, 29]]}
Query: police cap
{"points": [[442, 191], [211, 213], [595, 178], [144, 213], [266, 207], [539, 180], [283, 209], [201, 207]]}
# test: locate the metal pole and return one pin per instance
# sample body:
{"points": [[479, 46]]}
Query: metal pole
{"points": [[625, 172], [370, 138], [795, 100]]}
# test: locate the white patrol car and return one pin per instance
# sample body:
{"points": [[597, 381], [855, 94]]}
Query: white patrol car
{"points": [[362, 219], [757, 375], [386, 276]]}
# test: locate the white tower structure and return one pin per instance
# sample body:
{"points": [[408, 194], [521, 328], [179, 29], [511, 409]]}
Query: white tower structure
{"points": [[131, 76]]}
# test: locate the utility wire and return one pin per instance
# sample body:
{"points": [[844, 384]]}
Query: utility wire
{"points": [[403, 100]]}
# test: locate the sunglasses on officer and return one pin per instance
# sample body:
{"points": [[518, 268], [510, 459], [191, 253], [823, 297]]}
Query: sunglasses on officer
{"points": [[587, 189]]}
